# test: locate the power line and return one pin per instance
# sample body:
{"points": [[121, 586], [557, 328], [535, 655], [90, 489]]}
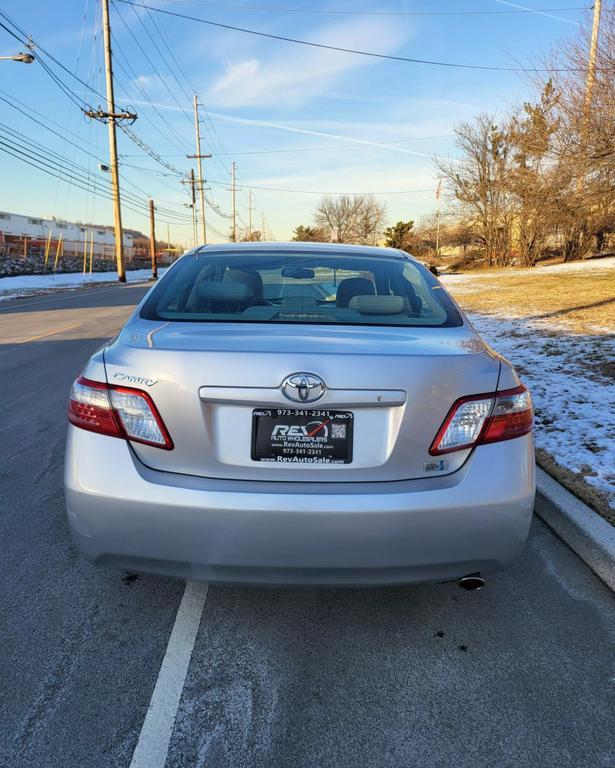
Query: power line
{"points": [[344, 145], [51, 130], [68, 174], [215, 141], [35, 161], [156, 156], [214, 138], [76, 99], [246, 186], [174, 170], [174, 59], [128, 69], [311, 11], [69, 92], [72, 170], [331, 147], [150, 62], [357, 52], [91, 78], [151, 152], [47, 126], [187, 93], [178, 63], [79, 174], [322, 192], [19, 40], [40, 49]]}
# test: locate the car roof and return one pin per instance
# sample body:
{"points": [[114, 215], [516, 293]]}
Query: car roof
{"points": [[305, 247]]}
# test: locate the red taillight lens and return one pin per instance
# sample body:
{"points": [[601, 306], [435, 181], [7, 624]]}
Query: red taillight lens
{"points": [[512, 416], [485, 419], [117, 412], [89, 408]]}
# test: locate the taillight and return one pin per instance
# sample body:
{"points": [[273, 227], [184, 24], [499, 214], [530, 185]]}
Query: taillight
{"points": [[117, 412], [485, 419]]}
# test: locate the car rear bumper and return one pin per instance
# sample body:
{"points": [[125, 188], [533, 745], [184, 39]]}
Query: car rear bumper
{"points": [[125, 515]]}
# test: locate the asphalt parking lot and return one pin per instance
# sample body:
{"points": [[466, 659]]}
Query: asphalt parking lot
{"points": [[520, 674]]}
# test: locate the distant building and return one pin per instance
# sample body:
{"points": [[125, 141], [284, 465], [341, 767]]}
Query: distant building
{"points": [[28, 235]]}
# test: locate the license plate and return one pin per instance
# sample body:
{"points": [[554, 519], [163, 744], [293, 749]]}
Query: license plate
{"points": [[297, 436]]}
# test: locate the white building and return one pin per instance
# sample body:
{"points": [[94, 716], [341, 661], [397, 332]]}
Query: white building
{"points": [[26, 234]]}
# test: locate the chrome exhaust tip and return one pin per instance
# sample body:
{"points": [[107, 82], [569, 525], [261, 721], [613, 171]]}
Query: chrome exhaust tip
{"points": [[471, 582]]}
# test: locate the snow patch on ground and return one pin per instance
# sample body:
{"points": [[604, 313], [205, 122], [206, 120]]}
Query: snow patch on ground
{"points": [[595, 266], [26, 285], [572, 381]]}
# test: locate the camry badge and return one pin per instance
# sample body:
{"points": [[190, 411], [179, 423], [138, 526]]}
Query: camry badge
{"points": [[126, 378], [303, 387]]}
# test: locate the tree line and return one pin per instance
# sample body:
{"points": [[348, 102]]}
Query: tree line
{"points": [[539, 181]]}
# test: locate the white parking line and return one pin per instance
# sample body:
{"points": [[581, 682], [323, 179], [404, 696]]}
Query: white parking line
{"points": [[153, 745]]}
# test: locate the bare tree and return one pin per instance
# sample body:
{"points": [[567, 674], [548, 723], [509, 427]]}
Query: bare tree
{"points": [[584, 144], [593, 129], [351, 218], [460, 235], [527, 184], [371, 220], [477, 182], [251, 237], [533, 177]]}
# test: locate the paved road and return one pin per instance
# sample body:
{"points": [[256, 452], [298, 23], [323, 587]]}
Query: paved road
{"points": [[521, 674]]}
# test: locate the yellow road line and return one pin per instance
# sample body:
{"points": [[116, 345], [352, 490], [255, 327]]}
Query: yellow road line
{"points": [[48, 333]]}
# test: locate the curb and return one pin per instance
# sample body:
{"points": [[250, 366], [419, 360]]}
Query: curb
{"points": [[585, 532]]}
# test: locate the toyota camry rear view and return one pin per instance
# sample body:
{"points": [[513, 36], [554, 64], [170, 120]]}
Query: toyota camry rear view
{"points": [[300, 414]]}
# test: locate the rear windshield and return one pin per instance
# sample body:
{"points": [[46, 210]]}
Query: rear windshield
{"points": [[294, 287]]}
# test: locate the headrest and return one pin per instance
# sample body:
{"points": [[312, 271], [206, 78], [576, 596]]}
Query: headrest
{"points": [[217, 290], [380, 305], [248, 277], [353, 286]]}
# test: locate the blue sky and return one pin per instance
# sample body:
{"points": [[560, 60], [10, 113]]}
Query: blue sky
{"points": [[327, 108]]}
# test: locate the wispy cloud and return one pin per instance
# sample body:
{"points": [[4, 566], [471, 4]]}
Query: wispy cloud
{"points": [[311, 132], [146, 82], [270, 125], [294, 75], [540, 13]]}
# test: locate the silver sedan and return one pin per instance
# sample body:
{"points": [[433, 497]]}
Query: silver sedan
{"points": [[300, 414]]}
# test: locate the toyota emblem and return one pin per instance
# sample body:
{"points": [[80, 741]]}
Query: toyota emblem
{"points": [[303, 387]]}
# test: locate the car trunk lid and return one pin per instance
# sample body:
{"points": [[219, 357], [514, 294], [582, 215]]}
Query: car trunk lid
{"points": [[208, 379]]}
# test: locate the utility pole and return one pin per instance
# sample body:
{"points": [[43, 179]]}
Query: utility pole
{"points": [[152, 240], [591, 64], [199, 158], [438, 192], [111, 117], [234, 193], [250, 214], [263, 233], [589, 91], [193, 207]]}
